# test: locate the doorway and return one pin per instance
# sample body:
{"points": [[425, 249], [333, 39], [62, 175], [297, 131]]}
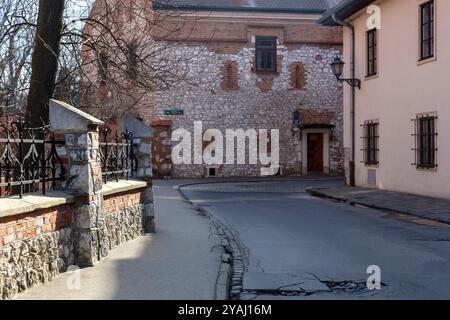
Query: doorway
{"points": [[315, 152]]}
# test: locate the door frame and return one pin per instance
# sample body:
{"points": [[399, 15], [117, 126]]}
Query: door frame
{"points": [[326, 149]]}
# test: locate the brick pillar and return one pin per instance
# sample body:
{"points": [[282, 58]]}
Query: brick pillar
{"points": [[81, 132], [161, 148]]}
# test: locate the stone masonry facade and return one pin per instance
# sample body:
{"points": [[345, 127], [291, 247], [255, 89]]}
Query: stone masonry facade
{"points": [[213, 53], [232, 95]]}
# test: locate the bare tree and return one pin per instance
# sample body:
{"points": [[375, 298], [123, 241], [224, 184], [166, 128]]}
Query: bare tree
{"points": [[100, 55], [16, 43], [124, 60]]}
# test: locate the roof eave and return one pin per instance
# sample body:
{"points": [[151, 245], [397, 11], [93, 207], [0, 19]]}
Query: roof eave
{"points": [[342, 11], [241, 9]]}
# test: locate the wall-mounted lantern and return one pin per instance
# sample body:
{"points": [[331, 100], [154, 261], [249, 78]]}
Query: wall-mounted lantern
{"points": [[296, 120], [338, 66], [296, 123]]}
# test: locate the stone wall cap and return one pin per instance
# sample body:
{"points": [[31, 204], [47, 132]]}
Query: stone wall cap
{"points": [[34, 201], [114, 187], [60, 113]]}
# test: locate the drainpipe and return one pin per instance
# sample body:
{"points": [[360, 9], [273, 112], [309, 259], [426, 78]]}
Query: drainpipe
{"points": [[352, 96]]}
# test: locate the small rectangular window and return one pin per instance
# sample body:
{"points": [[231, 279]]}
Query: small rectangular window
{"points": [[370, 138], [427, 30], [266, 54], [372, 63]]}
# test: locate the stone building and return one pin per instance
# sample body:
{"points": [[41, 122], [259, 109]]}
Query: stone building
{"points": [[251, 64]]}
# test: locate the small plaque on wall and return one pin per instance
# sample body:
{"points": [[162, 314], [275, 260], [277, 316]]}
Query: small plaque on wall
{"points": [[173, 112]]}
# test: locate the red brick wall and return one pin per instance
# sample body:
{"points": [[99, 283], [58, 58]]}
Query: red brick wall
{"points": [[225, 32], [161, 148], [117, 201], [28, 225]]}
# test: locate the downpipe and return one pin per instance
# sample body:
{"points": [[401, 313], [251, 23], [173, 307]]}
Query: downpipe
{"points": [[352, 97]]}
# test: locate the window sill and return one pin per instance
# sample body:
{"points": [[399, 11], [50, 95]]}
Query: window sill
{"points": [[420, 169], [267, 72], [372, 165], [374, 76], [425, 61]]}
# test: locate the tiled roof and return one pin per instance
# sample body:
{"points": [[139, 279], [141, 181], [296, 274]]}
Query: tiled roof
{"points": [[306, 6]]}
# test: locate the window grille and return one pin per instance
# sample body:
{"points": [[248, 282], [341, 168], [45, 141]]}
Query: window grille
{"points": [[370, 143], [425, 141]]}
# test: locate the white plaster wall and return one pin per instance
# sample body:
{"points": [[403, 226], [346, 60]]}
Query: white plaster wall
{"points": [[402, 89]]}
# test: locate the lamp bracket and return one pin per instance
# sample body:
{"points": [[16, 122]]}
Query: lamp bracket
{"points": [[355, 83]]}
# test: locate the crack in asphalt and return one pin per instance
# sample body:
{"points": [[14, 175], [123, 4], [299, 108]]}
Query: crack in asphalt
{"points": [[344, 286]]}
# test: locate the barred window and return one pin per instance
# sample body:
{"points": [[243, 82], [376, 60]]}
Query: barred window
{"points": [[372, 52], [425, 141], [427, 30], [370, 142], [266, 54]]}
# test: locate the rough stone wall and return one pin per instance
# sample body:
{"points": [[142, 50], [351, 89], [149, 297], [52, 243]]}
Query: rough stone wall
{"points": [[263, 101], [34, 248], [220, 87], [124, 217]]}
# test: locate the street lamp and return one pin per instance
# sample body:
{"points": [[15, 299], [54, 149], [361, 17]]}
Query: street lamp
{"points": [[337, 66]]}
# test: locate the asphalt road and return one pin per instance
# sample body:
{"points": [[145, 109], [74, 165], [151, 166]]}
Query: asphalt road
{"points": [[301, 247]]}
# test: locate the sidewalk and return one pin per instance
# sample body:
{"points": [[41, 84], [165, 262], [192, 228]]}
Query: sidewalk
{"points": [[177, 262], [411, 204]]}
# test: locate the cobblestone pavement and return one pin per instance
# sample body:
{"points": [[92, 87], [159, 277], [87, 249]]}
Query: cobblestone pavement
{"points": [[420, 206]]}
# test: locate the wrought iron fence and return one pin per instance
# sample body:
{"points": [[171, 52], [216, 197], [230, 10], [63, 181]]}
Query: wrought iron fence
{"points": [[117, 156], [29, 161]]}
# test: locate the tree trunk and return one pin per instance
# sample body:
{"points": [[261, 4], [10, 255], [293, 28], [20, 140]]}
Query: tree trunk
{"points": [[45, 60]]}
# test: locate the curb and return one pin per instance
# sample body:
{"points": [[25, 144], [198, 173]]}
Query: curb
{"points": [[317, 193], [231, 271], [254, 180]]}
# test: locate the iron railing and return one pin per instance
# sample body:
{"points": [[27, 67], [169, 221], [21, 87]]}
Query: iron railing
{"points": [[29, 161], [117, 156]]}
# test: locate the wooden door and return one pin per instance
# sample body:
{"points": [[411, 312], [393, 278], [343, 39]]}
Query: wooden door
{"points": [[315, 152]]}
